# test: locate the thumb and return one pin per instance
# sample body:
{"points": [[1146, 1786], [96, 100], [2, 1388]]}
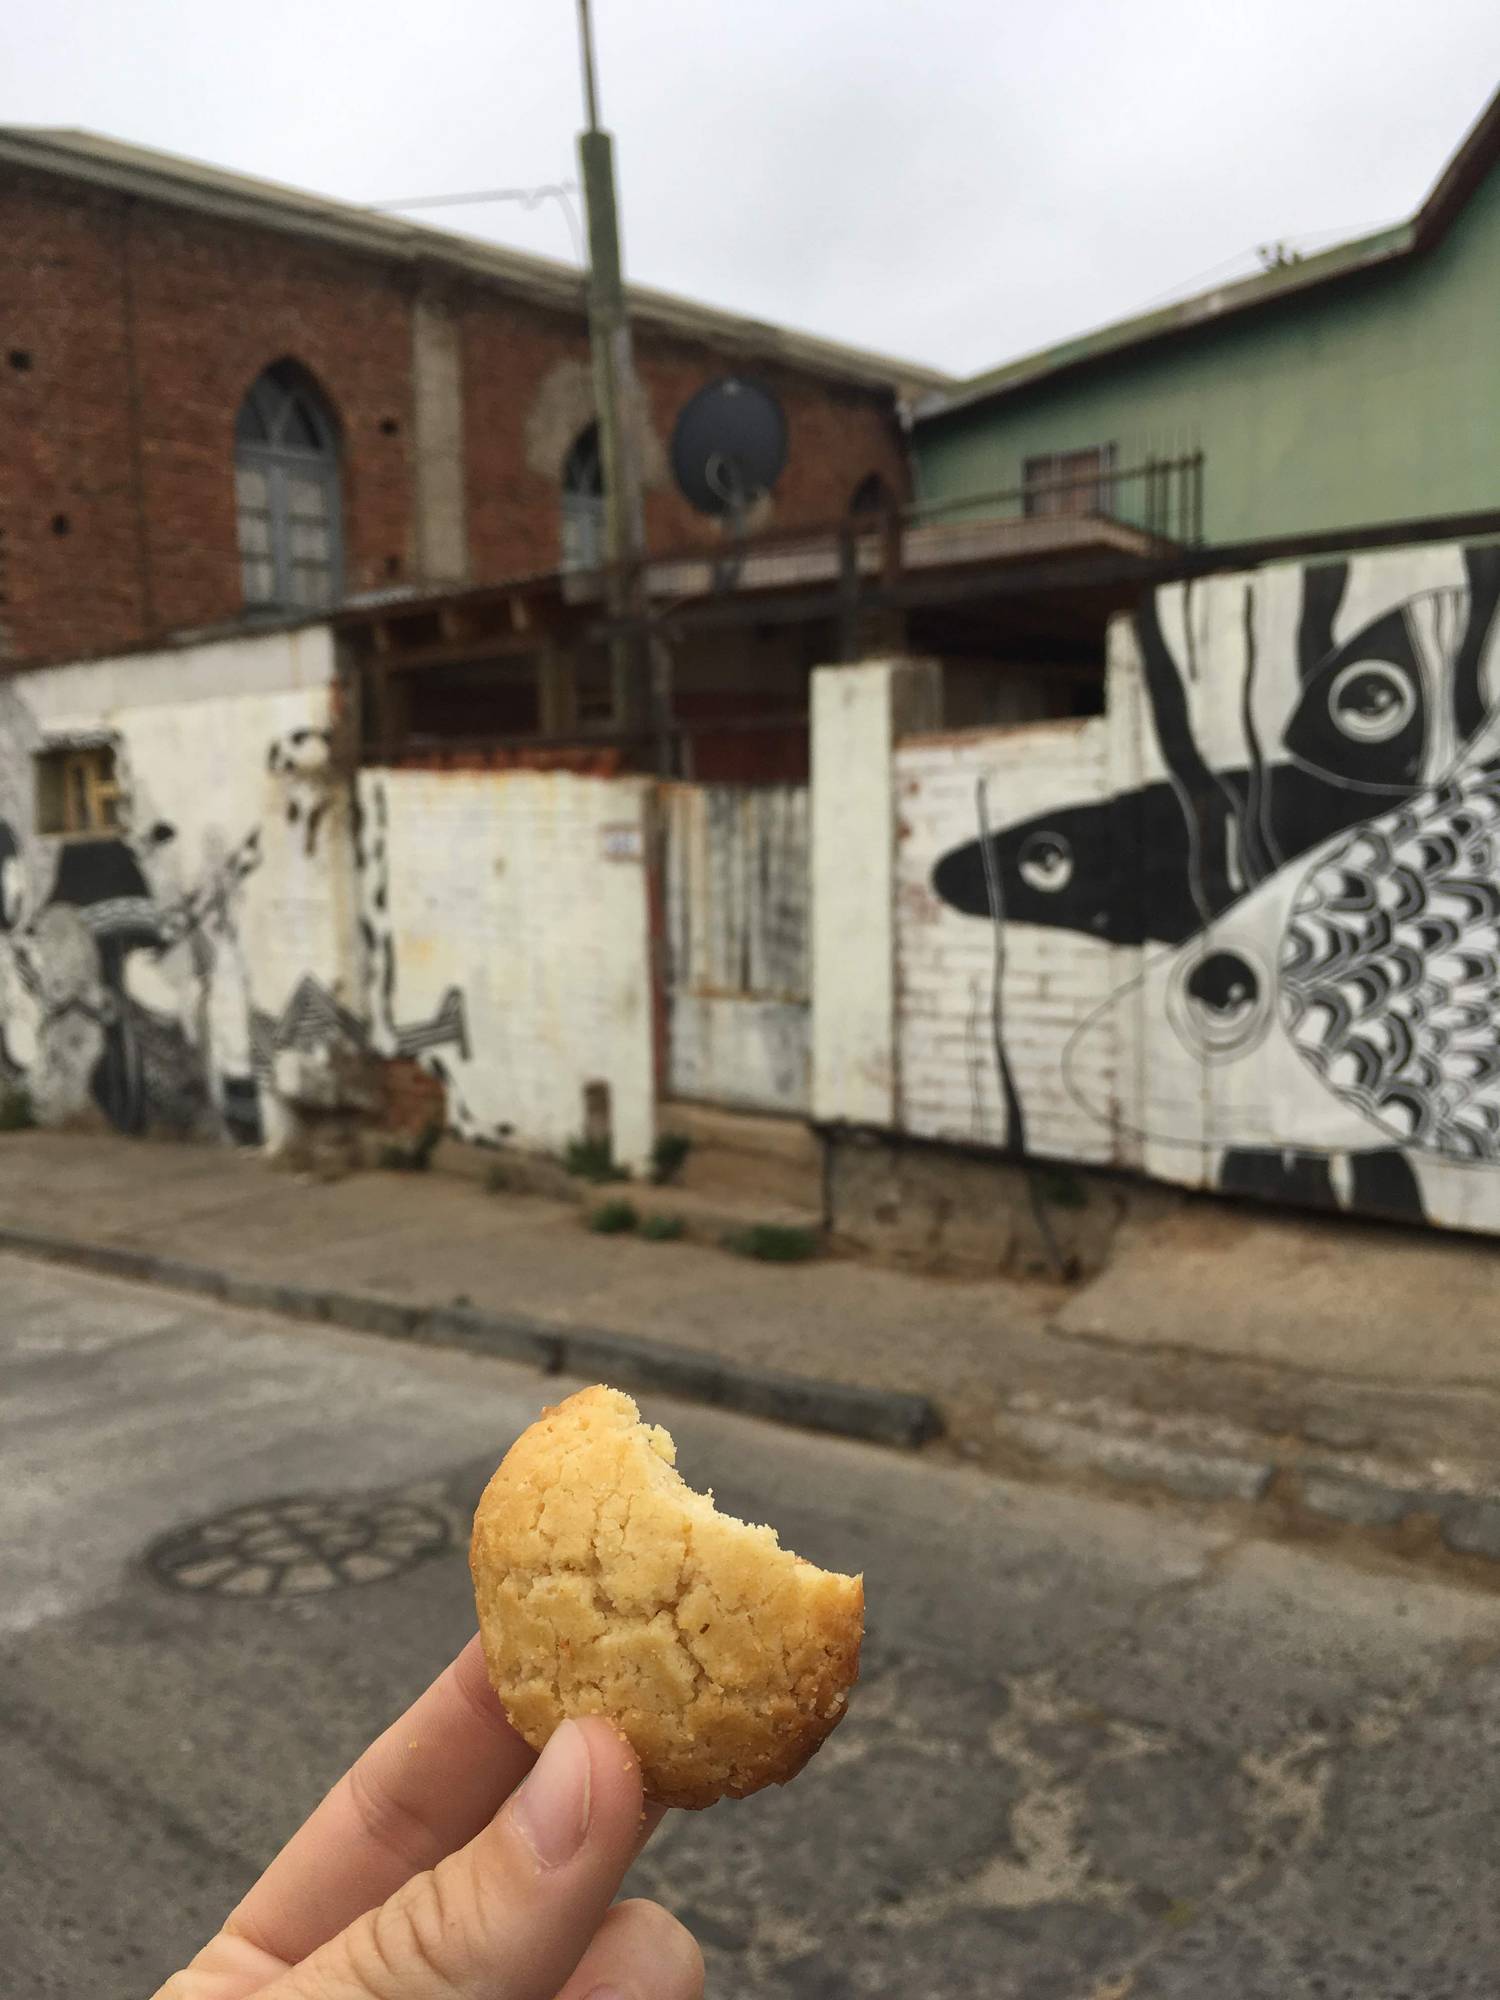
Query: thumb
{"points": [[508, 1916]]}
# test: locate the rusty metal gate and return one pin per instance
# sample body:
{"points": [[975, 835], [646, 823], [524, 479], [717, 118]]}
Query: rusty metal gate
{"points": [[735, 889]]}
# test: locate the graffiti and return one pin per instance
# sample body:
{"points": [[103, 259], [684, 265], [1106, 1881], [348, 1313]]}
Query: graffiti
{"points": [[421, 1039], [125, 987], [1305, 893], [89, 1016], [303, 760]]}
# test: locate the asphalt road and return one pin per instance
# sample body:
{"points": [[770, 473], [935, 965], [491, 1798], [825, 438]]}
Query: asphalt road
{"points": [[1097, 1752]]}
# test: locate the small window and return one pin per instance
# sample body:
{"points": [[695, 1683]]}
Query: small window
{"points": [[286, 486], [1070, 482], [583, 537], [77, 791]]}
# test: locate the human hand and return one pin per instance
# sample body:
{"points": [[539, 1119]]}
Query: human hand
{"points": [[448, 1860]]}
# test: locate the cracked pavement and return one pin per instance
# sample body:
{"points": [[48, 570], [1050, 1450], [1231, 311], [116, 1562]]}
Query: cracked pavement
{"points": [[1099, 1750]]}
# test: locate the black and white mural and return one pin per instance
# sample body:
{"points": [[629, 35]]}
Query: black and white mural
{"points": [[440, 1040], [505, 939], [137, 959], [1282, 879]]}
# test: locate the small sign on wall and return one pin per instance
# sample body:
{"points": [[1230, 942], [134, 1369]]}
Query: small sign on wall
{"points": [[622, 843]]}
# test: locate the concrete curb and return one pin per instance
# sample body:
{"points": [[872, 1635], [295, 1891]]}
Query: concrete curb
{"points": [[875, 1416], [1243, 1468]]}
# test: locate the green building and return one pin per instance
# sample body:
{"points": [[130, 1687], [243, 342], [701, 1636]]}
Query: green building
{"points": [[1347, 392]]}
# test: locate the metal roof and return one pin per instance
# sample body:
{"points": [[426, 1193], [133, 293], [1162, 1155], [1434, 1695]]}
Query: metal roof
{"points": [[166, 177], [1431, 222]]}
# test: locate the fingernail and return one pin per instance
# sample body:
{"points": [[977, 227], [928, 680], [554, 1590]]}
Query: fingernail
{"points": [[552, 1807]]}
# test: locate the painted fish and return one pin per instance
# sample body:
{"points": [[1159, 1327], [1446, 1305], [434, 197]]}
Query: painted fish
{"points": [[1377, 716], [1346, 1004]]}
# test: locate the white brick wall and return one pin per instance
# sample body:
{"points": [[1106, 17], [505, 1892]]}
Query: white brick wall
{"points": [[527, 892], [949, 1085]]}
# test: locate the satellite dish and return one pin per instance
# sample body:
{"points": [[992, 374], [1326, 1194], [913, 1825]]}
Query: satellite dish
{"points": [[729, 447]]}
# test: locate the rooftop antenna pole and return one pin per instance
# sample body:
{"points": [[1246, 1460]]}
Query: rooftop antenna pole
{"points": [[609, 341]]}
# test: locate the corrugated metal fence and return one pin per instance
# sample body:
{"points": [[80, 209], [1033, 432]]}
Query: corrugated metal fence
{"points": [[735, 873]]}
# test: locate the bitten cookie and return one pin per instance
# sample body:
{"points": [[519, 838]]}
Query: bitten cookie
{"points": [[607, 1586]]}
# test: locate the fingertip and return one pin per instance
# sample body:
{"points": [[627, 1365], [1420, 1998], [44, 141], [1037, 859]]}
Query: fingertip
{"points": [[615, 1770]]}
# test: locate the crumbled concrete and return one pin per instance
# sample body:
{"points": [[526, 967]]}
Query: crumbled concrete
{"points": [[1337, 1429], [1194, 1475], [1472, 1528], [942, 1209], [1362, 1503]]}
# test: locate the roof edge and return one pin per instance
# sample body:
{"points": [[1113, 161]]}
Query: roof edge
{"points": [[1444, 201], [180, 182]]}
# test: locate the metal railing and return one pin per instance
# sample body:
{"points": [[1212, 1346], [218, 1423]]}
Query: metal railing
{"points": [[1160, 496]]}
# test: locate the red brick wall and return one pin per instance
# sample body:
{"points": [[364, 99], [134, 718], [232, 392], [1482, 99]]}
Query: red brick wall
{"points": [[216, 306], [411, 1099], [834, 436], [144, 326], [65, 431]]}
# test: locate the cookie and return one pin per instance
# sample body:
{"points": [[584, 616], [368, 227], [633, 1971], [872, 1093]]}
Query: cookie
{"points": [[607, 1586]]}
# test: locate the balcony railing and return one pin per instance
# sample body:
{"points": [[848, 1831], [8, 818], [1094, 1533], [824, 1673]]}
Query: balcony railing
{"points": [[1162, 497]]}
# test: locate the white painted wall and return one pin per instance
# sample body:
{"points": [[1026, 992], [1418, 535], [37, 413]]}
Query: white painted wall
{"points": [[858, 715], [947, 962], [1302, 994], [1193, 1100], [526, 894], [228, 888]]}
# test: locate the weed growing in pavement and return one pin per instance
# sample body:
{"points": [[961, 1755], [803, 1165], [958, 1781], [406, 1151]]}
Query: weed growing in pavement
{"points": [[410, 1156], [774, 1243], [16, 1114], [592, 1160], [613, 1218], [668, 1157]]}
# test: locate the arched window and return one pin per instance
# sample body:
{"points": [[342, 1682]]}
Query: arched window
{"points": [[583, 503], [286, 484], [871, 496]]}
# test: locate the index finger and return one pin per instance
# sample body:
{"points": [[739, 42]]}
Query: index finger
{"points": [[423, 1788]]}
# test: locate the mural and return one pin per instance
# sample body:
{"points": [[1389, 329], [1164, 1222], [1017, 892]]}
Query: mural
{"points": [[1300, 893], [447, 1027], [505, 942], [125, 986]]}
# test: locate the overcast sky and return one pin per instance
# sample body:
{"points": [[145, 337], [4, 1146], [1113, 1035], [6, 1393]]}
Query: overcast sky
{"points": [[957, 181]]}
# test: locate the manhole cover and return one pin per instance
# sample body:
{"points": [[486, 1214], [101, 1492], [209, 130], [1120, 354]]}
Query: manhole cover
{"points": [[293, 1548]]}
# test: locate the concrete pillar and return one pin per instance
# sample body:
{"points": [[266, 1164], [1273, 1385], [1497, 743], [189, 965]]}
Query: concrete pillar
{"points": [[442, 526], [858, 714]]}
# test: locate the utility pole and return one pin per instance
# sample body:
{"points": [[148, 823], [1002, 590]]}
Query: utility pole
{"points": [[609, 341]]}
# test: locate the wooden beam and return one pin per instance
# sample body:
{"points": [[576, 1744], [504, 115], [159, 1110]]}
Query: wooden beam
{"points": [[486, 649]]}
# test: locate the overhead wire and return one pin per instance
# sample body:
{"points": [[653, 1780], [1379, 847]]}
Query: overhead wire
{"points": [[531, 198]]}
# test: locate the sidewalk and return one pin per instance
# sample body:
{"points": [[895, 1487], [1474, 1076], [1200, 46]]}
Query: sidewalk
{"points": [[1232, 1341]]}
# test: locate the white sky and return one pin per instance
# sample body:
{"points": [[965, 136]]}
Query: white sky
{"points": [[957, 181]]}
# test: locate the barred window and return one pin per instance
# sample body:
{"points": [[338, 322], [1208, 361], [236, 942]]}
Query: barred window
{"points": [[1070, 482]]}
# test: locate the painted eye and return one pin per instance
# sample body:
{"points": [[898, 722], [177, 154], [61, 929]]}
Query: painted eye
{"points": [[1371, 701], [1046, 862], [1219, 1004]]}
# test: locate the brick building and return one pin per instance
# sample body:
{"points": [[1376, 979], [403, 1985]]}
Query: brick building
{"points": [[220, 397]]}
